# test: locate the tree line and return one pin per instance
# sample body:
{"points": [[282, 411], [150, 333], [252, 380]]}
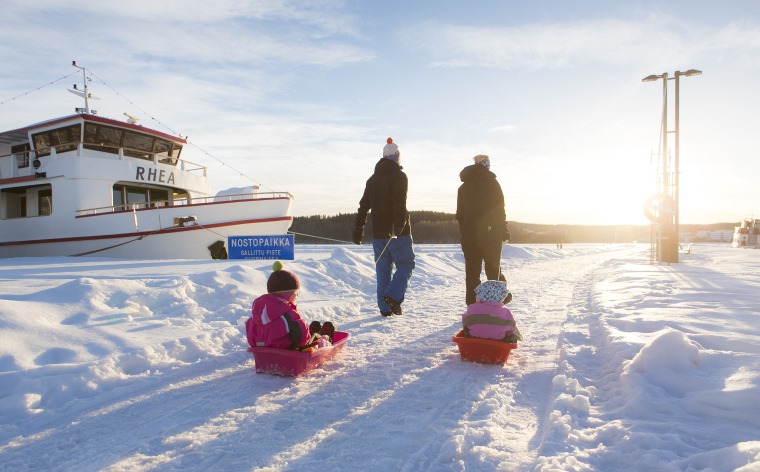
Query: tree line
{"points": [[431, 227]]}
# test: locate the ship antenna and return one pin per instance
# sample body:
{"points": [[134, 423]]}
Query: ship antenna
{"points": [[84, 94]]}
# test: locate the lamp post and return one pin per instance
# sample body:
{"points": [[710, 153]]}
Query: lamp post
{"points": [[678, 74], [670, 253]]}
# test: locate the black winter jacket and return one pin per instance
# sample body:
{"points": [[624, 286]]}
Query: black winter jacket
{"points": [[480, 205], [385, 195]]}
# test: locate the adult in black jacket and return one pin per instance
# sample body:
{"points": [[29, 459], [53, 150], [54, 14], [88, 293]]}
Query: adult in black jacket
{"points": [[385, 196], [482, 223]]}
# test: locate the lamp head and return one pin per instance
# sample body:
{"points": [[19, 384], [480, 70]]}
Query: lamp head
{"points": [[651, 78]]}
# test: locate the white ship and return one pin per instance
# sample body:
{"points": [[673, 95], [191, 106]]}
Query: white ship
{"points": [[87, 185], [747, 234]]}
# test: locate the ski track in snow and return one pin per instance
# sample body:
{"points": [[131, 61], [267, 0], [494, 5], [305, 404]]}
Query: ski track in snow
{"points": [[397, 398], [210, 413]]}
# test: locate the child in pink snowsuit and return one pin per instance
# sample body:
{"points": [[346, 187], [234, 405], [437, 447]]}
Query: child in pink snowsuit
{"points": [[275, 321], [488, 317]]}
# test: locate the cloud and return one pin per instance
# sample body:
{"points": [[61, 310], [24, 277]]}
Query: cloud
{"points": [[326, 15], [263, 33], [739, 41], [503, 129], [228, 53], [655, 39]]}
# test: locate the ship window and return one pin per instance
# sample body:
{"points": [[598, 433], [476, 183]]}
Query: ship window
{"points": [[20, 202], [181, 195], [102, 138], [136, 196], [135, 144], [124, 196], [45, 202], [167, 152], [90, 130], [14, 202], [22, 205], [65, 139], [62, 139], [110, 137], [138, 145], [42, 144], [158, 197], [118, 197], [21, 151]]}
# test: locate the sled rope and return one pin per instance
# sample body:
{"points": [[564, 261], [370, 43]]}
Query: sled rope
{"points": [[319, 237], [383, 251]]}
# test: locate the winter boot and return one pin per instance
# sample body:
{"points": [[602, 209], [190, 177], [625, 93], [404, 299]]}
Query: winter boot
{"points": [[315, 327], [395, 305], [328, 329]]}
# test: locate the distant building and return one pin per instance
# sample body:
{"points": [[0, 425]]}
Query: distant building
{"points": [[715, 236]]}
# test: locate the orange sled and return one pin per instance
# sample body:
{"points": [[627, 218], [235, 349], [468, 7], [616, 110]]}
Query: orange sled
{"points": [[486, 351], [289, 363]]}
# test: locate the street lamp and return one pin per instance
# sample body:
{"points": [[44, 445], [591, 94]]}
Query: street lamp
{"points": [[670, 255], [688, 73]]}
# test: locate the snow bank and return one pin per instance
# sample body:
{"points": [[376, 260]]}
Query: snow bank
{"points": [[625, 365]]}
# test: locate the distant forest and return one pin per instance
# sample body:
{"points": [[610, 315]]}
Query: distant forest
{"points": [[431, 227]]}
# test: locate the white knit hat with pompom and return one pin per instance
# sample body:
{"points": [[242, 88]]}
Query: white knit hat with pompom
{"points": [[391, 151]]}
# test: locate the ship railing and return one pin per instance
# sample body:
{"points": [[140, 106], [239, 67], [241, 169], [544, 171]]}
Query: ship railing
{"points": [[182, 202], [15, 164]]}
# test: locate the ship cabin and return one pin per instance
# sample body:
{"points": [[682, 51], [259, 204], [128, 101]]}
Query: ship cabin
{"points": [[27, 155]]}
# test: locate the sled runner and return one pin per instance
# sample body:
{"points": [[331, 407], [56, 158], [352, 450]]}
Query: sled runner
{"points": [[289, 363], [486, 351]]}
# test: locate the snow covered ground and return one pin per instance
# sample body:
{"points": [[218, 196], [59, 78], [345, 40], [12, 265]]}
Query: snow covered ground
{"points": [[142, 365]]}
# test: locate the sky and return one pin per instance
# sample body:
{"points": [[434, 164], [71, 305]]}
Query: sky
{"points": [[141, 365], [300, 96]]}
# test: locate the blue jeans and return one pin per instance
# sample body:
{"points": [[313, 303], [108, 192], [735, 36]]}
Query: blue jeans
{"points": [[390, 252]]}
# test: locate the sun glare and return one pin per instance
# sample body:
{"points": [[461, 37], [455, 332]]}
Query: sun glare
{"points": [[615, 197]]}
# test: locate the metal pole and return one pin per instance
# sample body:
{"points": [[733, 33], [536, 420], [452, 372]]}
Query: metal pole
{"points": [[676, 227], [86, 90], [665, 224], [665, 133]]}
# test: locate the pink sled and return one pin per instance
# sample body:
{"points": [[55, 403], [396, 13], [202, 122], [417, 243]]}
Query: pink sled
{"points": [[288, 363]]}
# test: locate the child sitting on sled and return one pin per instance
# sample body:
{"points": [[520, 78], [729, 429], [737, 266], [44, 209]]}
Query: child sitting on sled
{"points": [[488, 317], [275, 321]]}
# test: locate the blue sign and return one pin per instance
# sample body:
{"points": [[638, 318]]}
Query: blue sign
{"points": [[280, 246]]}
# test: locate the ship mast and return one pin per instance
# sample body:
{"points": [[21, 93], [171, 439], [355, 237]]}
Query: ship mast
{"points": [[83, 93]]}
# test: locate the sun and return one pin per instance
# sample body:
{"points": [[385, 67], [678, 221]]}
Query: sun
{"points": [[613, 197]]}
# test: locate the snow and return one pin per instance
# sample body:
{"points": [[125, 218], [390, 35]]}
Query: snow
{"points": [[111, 364]]}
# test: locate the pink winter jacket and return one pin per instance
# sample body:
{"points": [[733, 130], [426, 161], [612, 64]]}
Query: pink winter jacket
{"points": [[490, 320], [275, 322]]}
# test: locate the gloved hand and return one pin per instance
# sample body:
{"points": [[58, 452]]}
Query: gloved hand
{"points": [[358, 234], [505, 233]]}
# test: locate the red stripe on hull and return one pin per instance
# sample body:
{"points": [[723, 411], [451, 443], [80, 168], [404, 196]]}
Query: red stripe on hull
{"points": [[13, 180]]}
